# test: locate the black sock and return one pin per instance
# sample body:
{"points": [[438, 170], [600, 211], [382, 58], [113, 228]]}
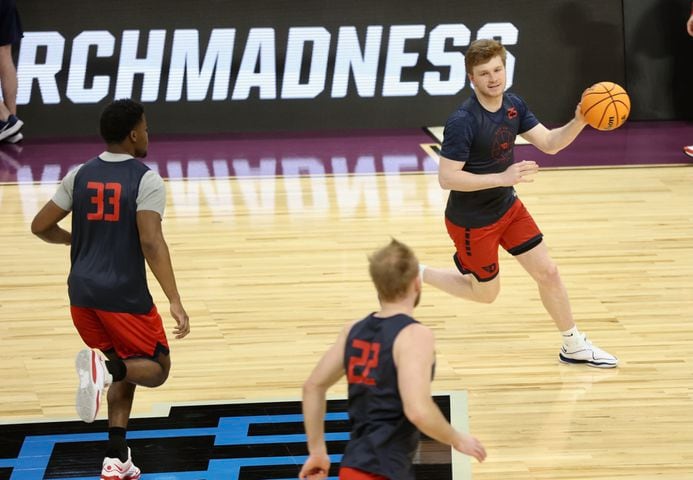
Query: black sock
{"points": [[117, 447], [117, 369]]}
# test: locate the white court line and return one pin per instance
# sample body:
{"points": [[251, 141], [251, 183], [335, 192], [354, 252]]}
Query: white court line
{"points": [[459, 418]]}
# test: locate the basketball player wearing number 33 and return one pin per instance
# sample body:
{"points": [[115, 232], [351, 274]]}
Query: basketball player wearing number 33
{"points": [[483, 211], [117, 204], [388, 359]]}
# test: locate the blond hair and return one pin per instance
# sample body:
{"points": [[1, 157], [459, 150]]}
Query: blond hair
{"points": [[392, 270], [482, 51]]}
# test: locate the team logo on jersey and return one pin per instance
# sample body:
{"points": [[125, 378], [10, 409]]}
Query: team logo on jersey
{"points": [[490, 268], [512, 113], [501, 148]]}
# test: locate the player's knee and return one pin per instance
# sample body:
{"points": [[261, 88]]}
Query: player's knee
{"points": [[157, 380], [489, 297], [161, 375], [549, 275], [488, 293], [160, 381]]}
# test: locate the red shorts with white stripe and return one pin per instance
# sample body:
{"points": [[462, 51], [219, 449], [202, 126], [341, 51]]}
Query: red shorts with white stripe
{"points": [[477, 248], [129, 334]]}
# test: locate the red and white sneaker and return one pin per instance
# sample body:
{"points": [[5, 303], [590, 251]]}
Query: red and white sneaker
{"points": [[93, 379], [114, 469], [688, 150]]}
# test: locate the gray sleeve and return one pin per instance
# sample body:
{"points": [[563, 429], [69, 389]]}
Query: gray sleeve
{"points": [[63, 196], [152, 193]]}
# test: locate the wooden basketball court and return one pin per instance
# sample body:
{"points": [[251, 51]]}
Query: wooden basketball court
{"points": [[270, 268]]}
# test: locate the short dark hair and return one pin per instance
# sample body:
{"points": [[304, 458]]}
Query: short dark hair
{"points": [[118, 119]]}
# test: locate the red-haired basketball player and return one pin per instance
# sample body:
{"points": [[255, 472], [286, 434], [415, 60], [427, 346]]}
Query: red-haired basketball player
{"points": [[117, 204], [483, 210], [388, 358]]}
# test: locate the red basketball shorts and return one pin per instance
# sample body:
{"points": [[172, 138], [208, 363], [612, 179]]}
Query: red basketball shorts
{"points": [[129, 334], [346, 473], [477, 248]]}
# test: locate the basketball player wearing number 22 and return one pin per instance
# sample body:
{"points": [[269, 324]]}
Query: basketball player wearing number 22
{"points": [[388, 358], [483, 212]]}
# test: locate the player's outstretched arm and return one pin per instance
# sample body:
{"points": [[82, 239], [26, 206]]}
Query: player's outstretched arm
{"points": [[158, 258], [45, 224], [414, 353], [327, 372], [554, 140]]}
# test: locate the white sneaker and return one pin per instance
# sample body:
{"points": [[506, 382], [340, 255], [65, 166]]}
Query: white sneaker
{"points": [[688, 150], [588, 354], [93, 379], [16, 138], [9, 127], [114, 469]]}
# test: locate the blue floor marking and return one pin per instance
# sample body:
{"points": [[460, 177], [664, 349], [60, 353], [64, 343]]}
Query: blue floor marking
{"points": [[36, 451]]}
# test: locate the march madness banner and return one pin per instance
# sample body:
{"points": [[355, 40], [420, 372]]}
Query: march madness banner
{"points": [[218, 66]]}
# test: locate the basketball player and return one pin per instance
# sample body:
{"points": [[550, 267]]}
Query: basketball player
{"points": [[388, 359], [117, 204], [688, 149], [483, 209]]}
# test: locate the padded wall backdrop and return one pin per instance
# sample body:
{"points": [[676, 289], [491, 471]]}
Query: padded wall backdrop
{"points": [[220, 66], [659, 59]]}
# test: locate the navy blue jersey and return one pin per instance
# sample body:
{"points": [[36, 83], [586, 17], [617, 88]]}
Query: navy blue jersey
{"points": [[108, 270], [484, 141], [382, 440]]}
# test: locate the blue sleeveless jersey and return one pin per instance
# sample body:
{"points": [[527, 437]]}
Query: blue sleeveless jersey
{"points": [[484, 141], [382, 440], [107, 271]]}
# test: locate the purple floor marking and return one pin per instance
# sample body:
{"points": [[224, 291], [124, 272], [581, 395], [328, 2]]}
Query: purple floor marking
{"points": [[325, 153], [635, 143]]}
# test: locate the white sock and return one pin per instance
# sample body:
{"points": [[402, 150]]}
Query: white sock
{"points": [[572, 337], [422, 267]]}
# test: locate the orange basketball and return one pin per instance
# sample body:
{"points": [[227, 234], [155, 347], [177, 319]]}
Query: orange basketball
{"points": [[605, 105]]}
